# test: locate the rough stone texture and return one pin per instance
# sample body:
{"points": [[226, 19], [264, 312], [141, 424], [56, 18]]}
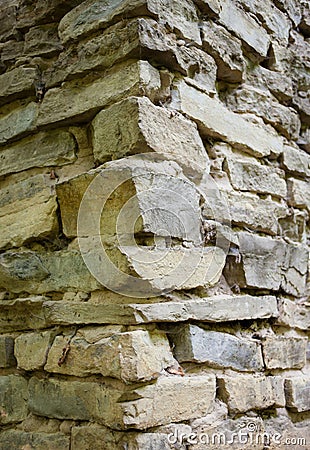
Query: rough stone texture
{"points": [[284, 352], [258, 392], [22, 314], [169, 399], [134, 356], [17, 83], [18, 123], [293, 314], [297, 393], [134, 126], [16, 439], [7, 358], [91, 16], [296, 161], [31, 349], [215, 120], [56, 148], [42, 39], [13, 399], [299, 193], [248, 176], [79, 99], [217, 349]]}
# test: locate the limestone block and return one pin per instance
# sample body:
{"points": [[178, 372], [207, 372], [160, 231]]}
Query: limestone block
{"points": [[8, 15], [249, 176], [226, 50], [258, 392], [18, 122], [247, 99], [56, 149], [13, 399], [296, 161], [245, 209], [292, 8], [42, 40], [94, 437], [305, 19], [301, 102], [284, 352], [133, 356], [80, 100], [17, 83], [135, 125], [297, 393], [294, 225], [215, 120], [169, 399], [29, 218], [299, 193], [37, 273], [222, 308], [22, 314], [295, 270], [31, 349], [278, 83], [92, 15], [17, 439], [293, 314], [216, 349], [7, 358]]}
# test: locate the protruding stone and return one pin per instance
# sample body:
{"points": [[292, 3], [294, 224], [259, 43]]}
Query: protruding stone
{"points": [[18, 122], [293, 314], [135, 125], [258, 392], [296, 161], [284, 352], [297, 393], [17, 83], [215, 120], [31, 349], [216, 349], [22, 314], [13, 399], [299, 193], [42, 40]]}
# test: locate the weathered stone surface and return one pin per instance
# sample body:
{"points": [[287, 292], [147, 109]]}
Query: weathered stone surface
{"points": [[17, 83], [8, 14], [7, 358], [299, 193], [294, 225], [18, 123], [37, 273], [215, 120], [296, 160], [135, 125], [297, 393], [22, 314], [31, 349], [245, 209], [278, 83], [250, 176], [13, 399], [94, 437], [42, 39], [56, 148], [217, 349], [292, 8], [226, 50], [169, 399], [284, 352], [133, 356], [91, 16], [29, 218], [247, 99], [17, 439], [258, 392], [293, 314], [81, 99], [269, 264]]}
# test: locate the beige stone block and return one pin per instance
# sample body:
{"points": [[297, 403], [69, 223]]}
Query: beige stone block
{"points": [[284, 352], [13, 399], [299, 193], [82, 99], [90, 17], [31, 349], [135, 125], [293, 314], [248, 176], [56, 149], [216, 349], [258, 392], [215, 120], [18, 122], [22, 314], [297, 393], [296, 161], [17, 83], [131, 357]]}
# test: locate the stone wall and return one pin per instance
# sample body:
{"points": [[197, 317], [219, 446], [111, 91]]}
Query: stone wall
{"points": [[154, 213]]}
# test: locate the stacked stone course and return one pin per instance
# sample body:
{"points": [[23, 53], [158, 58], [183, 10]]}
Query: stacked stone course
{"points": [[202, 107]]}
